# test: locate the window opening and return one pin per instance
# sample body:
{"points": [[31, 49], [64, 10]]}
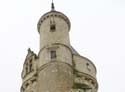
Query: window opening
{"points": [[26, 68], [53, 54], [52, 25], [30, 65]]}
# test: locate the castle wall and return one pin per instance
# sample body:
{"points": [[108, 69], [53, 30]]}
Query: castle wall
{"points": [[84, 65], [55, 77]]}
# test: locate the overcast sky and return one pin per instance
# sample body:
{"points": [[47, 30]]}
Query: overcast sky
{"points": [[97, 32]]}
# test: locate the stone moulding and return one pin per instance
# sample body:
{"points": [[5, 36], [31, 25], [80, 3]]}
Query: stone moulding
{"points": [[53, 14]]}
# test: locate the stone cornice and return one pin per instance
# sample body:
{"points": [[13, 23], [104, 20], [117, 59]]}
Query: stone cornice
{"points": [[88, 78], [47, 64], [53, 14]]}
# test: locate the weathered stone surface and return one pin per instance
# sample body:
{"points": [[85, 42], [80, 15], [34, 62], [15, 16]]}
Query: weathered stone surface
{"points": [[58, 67]]}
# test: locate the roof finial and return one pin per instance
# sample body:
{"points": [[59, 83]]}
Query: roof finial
{"points": [[52, 6]]}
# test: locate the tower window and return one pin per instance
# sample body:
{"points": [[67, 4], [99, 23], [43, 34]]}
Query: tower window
{"points": [[52, 27], [53, 54]]}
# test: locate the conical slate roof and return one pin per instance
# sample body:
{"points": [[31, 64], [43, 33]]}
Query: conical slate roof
{"points": [[73, 50]]}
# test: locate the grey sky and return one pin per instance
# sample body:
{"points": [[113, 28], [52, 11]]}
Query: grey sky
{"points": [[97, 32]]}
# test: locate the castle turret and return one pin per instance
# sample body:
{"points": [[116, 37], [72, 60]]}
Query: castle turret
{"points": [[55, 56], [54, 27], [58, 67]]}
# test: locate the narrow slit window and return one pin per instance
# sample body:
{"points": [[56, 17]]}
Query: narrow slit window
{"points": [[26, 67], [30, 65], [53, 54]]}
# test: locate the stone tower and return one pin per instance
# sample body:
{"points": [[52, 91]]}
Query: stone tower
{"points": [[57, 67]]}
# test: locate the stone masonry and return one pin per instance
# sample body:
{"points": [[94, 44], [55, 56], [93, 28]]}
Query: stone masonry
{"points": [[57, 67]]}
